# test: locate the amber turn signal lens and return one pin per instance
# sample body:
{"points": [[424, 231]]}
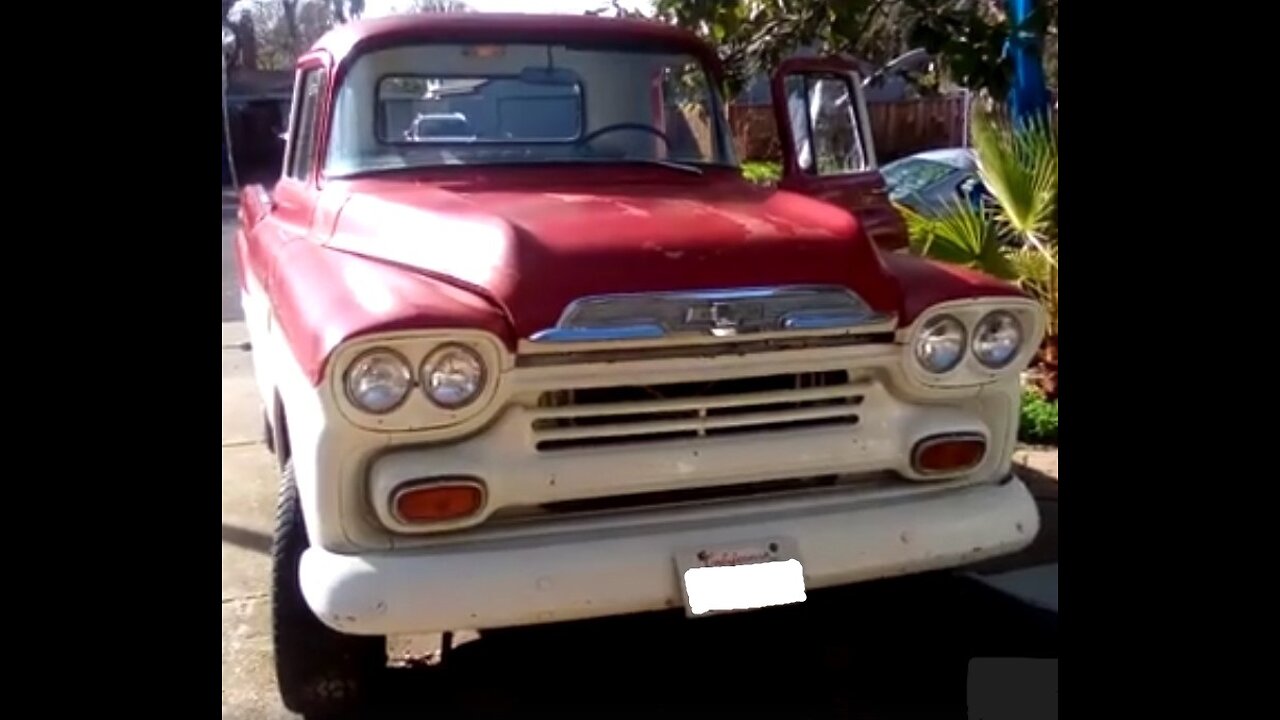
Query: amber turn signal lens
{"points": [[438, 501], [948, 454]]}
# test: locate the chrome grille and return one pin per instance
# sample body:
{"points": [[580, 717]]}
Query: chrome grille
{"points": [[592, 417]]}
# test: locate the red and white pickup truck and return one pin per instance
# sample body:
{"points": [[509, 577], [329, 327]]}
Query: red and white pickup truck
{"points": [[531, 349]]}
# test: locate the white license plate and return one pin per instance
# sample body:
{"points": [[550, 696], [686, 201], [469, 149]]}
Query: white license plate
{"points": [[746, 576]]}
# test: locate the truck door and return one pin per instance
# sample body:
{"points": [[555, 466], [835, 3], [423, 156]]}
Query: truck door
{"points": [[827, 148], [272, 220]]}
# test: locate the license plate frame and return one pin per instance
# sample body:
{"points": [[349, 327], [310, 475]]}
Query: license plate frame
{"points": [[759, 573]]}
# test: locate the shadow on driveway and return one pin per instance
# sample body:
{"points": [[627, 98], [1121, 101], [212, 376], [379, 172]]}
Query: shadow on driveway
{"points": [[1044, 550], [247, 539], [231, 310], [888, 649]]}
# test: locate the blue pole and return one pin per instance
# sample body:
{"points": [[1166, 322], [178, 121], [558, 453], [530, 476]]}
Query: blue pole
{"points": [[1028, 95]]}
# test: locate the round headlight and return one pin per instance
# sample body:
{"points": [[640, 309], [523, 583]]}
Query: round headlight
{"points": [[453, 376], [940, 344], [379, 381], [997, 339]]}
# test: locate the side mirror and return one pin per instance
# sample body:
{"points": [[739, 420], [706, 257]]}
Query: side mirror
{"points": [[971, 190], [255, 203]]}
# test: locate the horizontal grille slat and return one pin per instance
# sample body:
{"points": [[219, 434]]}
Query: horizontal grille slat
{"points": [[851, 392], [689, 497], [667, 426], [683, 410]]}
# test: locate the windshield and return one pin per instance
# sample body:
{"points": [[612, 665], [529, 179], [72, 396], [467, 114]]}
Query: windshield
{"points": [[438, 104], [907, 177]]}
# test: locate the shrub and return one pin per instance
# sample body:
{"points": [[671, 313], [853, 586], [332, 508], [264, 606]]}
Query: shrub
{"points": [[1039, 419], [762, 172]]}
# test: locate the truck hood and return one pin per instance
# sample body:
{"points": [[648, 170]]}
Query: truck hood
{"points": [[534, 249]]}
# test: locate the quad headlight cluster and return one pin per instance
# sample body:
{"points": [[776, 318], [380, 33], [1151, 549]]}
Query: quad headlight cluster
{"points": [[994, 341], [380, 380]]}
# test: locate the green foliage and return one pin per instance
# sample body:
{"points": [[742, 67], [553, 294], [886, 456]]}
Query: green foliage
{"points": [[966, 37], [762, 172], [1038, 422], [752, 36], [1019, 166], [1037, 273], [1017, 236], [969, 39], [963, 236]]}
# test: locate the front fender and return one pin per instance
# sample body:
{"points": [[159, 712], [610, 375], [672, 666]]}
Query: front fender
{"points": [[323, 297], [925, 283]]}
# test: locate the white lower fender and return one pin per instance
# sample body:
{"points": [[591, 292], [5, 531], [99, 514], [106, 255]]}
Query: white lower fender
{"points": [[315, 436], [257, 322], [584, 575]]}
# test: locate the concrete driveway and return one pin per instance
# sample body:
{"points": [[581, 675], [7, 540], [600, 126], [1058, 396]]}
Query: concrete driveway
{"points": [[248, 505], [890, 649]]}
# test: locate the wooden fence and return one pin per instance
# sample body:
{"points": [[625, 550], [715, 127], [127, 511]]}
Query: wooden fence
{"points": [[899, 128]]}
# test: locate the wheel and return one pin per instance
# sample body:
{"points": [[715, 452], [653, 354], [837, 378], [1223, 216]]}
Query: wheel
{"points": [[320, 673]]}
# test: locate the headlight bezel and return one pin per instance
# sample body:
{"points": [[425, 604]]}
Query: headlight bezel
{"points": [[418, 412], [970, 371]]}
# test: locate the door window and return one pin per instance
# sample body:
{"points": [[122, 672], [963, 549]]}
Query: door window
{"points": [[824, 123], [302, 135]]}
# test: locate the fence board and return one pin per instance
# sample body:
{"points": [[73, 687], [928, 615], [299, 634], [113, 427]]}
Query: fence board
{"points": [[899, 128]]}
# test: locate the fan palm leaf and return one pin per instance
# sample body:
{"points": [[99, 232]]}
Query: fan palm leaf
{"points": [[1037, 273], [962, 235], [1018, 164]]}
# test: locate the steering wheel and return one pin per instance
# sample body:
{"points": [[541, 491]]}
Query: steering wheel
{"points": [[625, 126]]}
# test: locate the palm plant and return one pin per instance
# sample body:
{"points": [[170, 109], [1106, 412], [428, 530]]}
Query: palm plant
{"points": [[1014, 235], [963, 235]]}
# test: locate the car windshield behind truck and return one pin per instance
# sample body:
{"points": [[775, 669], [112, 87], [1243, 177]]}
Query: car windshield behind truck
{"points": [[436, 104]]}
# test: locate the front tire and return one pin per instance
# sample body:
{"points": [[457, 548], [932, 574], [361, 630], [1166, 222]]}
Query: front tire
{"points": [[320, 673]]}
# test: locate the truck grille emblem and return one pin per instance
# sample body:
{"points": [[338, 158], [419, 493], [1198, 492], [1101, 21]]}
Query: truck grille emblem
{"points": [[724, 318]]}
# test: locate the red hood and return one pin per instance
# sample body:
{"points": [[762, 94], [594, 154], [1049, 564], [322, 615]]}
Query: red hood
{"points": [[535, 248]]}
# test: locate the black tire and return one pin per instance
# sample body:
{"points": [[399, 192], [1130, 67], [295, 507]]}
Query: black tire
{"points": [[320, 673]]}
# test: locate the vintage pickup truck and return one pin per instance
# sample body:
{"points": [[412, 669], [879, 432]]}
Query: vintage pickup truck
{"points": [[556, 359]]}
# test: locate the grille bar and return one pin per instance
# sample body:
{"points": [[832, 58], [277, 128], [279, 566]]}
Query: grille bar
{"points": [[685, 410], [843, 392], [701, 423], [692, 497]]}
